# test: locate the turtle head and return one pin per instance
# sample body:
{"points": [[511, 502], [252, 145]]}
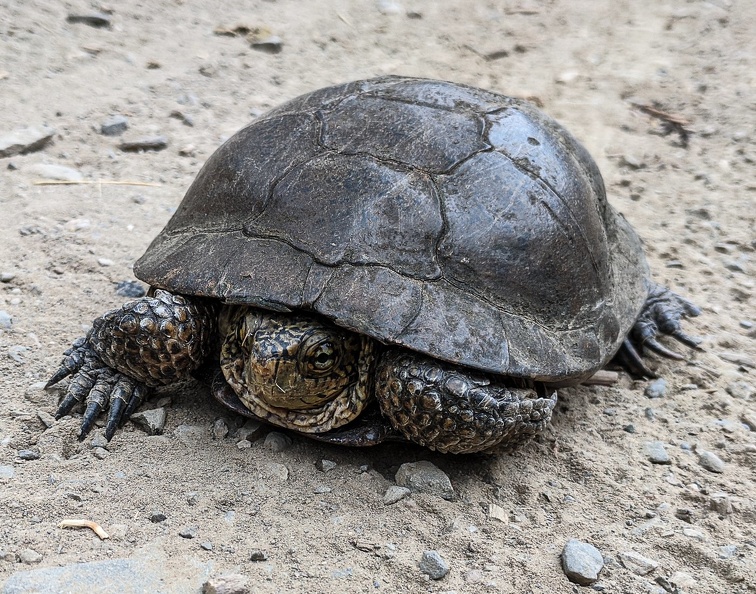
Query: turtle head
{"points": [[292, 366]]}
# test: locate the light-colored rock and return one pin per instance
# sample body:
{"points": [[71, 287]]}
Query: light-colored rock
{"points": [[711, 462], [25, 140], [581, 562], [55, 172], [152, 421], [424, 477], [394, 494], [637, 563]]}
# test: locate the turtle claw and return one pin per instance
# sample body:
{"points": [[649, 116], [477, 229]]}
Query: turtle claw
{"points": [[98, 386], [661, 315]]}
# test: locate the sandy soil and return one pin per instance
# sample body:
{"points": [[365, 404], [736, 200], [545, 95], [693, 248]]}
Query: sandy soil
{"points": [[591, 65]]}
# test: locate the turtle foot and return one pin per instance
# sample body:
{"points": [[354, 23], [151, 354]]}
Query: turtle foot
{"points": [[662, 314], [437, 406], [98, 386]]}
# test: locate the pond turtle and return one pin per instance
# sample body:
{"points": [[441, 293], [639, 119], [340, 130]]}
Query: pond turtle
{"points": [[388, 258]]}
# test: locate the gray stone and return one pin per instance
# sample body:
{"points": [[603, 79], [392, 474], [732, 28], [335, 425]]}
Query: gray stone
{"points": [[749, 418], [220, 429], [728, 551], [56, 172], [25, 140], [100, 453], [6, 321], [275, 471], [433, 565], [656, 388], [637, 563], [189, 532], [258, 555], [114, 125], [740, 390], [28, 454], [581, 562], [98, 441], [16, 351], [29, 556], [395, 493], [47, 419], [721, 503], [152, 421], [148, 572], [711, 462], [424, 477], [232, 583], [656, 453], [6, 276], [325, 465], [130, 288], [277, 442], [207, 545]]}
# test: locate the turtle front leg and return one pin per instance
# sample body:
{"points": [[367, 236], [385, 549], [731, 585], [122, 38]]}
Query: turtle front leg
{"points": [[148, 342], [445, 408], [662, 314]]}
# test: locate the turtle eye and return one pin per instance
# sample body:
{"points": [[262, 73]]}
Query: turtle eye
{"points": [[319, 356]]}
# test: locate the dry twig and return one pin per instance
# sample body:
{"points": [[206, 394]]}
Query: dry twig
{"points": [[94, 526]]}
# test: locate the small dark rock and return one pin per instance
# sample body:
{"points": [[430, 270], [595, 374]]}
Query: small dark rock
{"points": [[157, 517], [258, 555], [93, 19], [147, 143], [114, 125]]}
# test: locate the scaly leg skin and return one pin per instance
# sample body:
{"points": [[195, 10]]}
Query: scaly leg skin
{"points": [[662, 314], [435, 405], [148, 342]]}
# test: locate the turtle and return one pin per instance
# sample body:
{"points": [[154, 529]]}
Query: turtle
{"points": [[391, 258]]}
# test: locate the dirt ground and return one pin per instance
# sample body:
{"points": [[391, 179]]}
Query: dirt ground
{"points": [[686, 183]]}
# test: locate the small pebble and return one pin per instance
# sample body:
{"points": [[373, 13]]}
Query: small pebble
{"points": [[258, 555], [637, 563], [656, 453], [740, 390], [433, 565], [711, 462], [25, 140], [325, 465], [100, 453], [220, 429], [152, 421], [6, 472], [721, 503], [424, 477], [104, 262], [98, 441], [321, 489], [93, 19], [581, 562], [6, 277], [694, 534], [277, 442], [727, 551], [16, 351], [243, 444], [190, 532], [114, 125], [232, 583], [147, 143], [28, 454], [129, 288], [208, 546], [394, 494], [29, 556], [47, 419], [157, 517], [55, 172], [6, 321], [656, 388], [749, 419]]}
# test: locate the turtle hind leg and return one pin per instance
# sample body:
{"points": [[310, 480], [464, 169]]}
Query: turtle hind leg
{"points": [[148, 342], [440, 406], [662, 314]]}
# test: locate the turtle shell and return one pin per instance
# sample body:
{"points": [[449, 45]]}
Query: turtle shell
{"points": [[450, 220]]}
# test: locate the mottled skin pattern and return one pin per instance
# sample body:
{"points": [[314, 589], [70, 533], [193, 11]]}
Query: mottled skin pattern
{"points": [[295, 371]]}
